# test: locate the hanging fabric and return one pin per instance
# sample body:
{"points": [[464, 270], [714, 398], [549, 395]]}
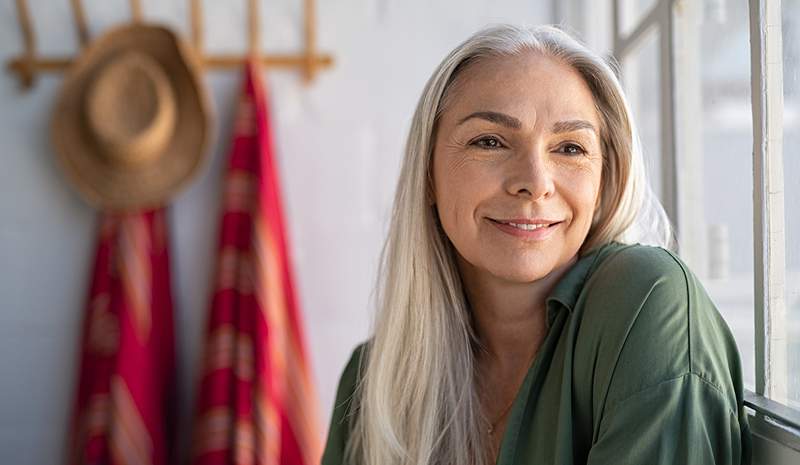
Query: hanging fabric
{"points": [[257, 403], [124, 412]]}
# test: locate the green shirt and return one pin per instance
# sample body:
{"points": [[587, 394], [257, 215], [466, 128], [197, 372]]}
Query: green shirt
{"points": [[638, 367]]}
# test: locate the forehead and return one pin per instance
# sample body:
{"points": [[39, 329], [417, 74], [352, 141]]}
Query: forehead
{"points": [[529, 86]]}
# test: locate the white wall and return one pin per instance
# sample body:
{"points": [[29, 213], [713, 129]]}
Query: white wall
{"points": [[339, 143]]}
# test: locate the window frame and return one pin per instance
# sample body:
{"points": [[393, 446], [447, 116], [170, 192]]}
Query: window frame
{"points": [[775, 427]]}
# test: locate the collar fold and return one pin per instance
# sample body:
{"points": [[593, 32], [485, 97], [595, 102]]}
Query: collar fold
{"points": [[567, 290]]}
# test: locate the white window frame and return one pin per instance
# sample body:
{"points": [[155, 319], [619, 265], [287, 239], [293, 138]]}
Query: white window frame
{"points": [[775, 427]]}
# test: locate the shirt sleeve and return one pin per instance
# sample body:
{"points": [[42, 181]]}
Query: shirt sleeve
{"points": [[684, 420], [340, 425], [674, 393]]}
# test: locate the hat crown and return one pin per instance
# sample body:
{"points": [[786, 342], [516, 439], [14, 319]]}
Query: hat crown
{"points": [[131, 122], [130, 109]]}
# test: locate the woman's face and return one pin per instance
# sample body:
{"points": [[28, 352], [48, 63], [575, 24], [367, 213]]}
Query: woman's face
{"points": [[517, 164]]}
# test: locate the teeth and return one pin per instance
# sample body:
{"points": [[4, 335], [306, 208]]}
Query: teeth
{"points": [[528, 227]]}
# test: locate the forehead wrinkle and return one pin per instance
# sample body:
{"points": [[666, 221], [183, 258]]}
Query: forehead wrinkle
{"points": [[463, 88]]}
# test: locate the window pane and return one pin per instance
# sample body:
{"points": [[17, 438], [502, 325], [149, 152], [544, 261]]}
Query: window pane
{"points": [[714, 129], [641, 79], [632, 12], [791, 165]]}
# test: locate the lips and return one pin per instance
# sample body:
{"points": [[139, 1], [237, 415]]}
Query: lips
{"points": [[529, 230], [526, 221]]}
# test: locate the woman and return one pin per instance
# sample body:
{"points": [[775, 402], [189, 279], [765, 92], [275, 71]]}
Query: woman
{"points": [[519, 321]]}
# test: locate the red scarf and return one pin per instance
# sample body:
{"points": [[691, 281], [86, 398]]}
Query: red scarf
{"points": [[124, 409], [257, 404]]}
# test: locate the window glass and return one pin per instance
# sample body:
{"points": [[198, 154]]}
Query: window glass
{"points": [[715, 172], [641, 79], [791, 165], [632, 12]]}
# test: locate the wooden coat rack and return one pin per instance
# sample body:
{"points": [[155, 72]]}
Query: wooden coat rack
{"points": [[310, 61]]}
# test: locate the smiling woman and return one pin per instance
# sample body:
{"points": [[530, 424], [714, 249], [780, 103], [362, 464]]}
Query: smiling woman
{"points": [[544, 168], [520, 318]]}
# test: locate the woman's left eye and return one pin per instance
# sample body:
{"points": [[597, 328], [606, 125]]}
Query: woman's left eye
{"points": [[571, 149], [488, 142]]}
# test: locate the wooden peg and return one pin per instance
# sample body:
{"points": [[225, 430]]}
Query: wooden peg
{"points": [[196, 21], [136, 11], [252, 12], [310, 62], [25, 65], [79, 15]]}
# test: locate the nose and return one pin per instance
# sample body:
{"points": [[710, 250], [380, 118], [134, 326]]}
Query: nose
{"points": [[532, 176]]}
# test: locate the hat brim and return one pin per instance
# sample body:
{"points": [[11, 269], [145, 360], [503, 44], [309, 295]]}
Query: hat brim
{"points": [[112, 186]]}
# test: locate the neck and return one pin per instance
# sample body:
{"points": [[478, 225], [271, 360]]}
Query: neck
{"points": [[509, 317]]}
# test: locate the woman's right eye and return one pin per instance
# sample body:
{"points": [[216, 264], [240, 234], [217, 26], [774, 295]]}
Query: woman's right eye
{"points": [[488, 142]]}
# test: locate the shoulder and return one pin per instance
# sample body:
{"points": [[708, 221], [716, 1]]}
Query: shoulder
{"points": [[638, 265], [653, 322], [344, 408], [351, 376], [626, 277]]}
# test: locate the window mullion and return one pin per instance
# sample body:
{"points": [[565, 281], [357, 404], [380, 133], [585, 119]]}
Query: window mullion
{"points": [[683, 159], [768, 211], [626, 44]]}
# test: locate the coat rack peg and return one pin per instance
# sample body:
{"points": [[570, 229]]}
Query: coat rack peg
{"points": [[136, 10], [25, 65], [252, 13], [196, 21], [309, 62], [79, 15]]}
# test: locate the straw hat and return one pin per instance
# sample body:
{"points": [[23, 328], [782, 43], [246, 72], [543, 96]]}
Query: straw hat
{"points": [[132, 122]]}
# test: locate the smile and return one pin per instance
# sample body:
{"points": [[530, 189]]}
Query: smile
{"points": [[528, 227], [530, 231]]}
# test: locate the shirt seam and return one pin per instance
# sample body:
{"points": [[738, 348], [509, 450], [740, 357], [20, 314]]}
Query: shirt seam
{"points": [[617, 403], [607, 393], [604, 404], [689, 308], [609, 409]]}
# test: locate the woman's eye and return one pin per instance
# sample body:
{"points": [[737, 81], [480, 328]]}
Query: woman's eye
{"points": [[572, 149], [488, 143]]}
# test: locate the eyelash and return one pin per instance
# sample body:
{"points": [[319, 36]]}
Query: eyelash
{"points": [[580, 149], [482, 139]]}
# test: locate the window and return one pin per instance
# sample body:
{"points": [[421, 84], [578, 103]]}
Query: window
{"points": [[715, 89], [790, 26]]}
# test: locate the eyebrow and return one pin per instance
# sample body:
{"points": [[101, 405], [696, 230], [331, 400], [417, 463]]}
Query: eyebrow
{"points": [[494, 117], [513, 123], [573, 125]]}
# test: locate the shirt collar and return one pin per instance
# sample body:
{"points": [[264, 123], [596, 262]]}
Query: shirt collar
{"points": [[567, 290]]}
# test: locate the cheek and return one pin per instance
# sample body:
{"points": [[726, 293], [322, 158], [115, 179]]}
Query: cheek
{"points": [[459, 190], [454, 200], [580, 188]]}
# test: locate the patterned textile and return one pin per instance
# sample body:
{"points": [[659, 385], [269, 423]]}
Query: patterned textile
{"points": [[257, 404], [126, 384]]}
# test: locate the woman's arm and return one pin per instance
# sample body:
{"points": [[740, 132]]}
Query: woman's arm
{"points": [[674, 394], [685, 420]]}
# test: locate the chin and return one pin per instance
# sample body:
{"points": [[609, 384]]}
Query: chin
{"points": [[522, 274]]}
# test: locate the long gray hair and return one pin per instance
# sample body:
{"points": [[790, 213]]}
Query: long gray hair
{"points": [[417, 402]]}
